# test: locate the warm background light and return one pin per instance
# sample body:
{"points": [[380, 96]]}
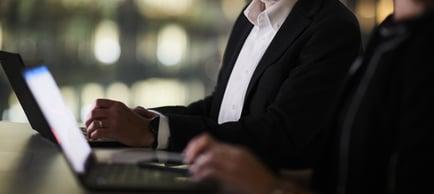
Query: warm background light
{"points": [[118, 91], [172, 45], [140, 52], [107, 49], [89, 94], [231, 8], [384, 9], [366, 13], [71, 99], [164, 7]]}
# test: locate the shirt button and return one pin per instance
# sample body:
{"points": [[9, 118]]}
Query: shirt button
{"points": [[234, 107]]}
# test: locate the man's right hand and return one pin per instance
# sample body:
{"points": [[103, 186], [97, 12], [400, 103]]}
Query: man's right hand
{"points": [[235, 167]]}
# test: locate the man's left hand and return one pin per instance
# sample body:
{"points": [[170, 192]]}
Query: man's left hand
{"points": [[113, 119]]}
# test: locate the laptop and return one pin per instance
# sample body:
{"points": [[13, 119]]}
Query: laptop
{"points": [[94, 174], [13, 65]]}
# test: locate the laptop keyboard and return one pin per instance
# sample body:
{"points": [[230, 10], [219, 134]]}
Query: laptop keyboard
{"points": [[122, 175]]}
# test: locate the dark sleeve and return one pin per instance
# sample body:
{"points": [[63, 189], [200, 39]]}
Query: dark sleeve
{"points": [[200, 107], [286, 132], [415, 156]]}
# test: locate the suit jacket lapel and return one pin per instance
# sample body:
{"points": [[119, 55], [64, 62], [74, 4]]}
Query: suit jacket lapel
{"points": [[297, 21], [237, 49], [233, 48]]}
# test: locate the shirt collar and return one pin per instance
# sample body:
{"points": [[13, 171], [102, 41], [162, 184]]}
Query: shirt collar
{"points": [[276, 11]]}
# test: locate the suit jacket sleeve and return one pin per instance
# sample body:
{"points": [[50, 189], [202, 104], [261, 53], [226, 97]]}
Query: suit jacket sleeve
{"points": [[288, 129], [200, 107]]}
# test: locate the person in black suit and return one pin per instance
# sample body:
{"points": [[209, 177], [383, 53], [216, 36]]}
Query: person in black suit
{"points": [[381, 139], [282, 68]]}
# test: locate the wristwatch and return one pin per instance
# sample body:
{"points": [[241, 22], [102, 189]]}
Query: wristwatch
{"points": [[153, 125]]}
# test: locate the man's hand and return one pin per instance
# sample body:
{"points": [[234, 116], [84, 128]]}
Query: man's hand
{"points": [[235, 167], [112, 119]]}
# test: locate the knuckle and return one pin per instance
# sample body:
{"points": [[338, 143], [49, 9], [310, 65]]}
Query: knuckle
{"points": [[206, 140], [99, 101]]}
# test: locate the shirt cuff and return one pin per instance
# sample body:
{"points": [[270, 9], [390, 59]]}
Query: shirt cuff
{"points": [[163, 131]]}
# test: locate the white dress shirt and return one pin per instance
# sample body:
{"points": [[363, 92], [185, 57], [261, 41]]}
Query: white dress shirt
{"points": [[267, 16]]}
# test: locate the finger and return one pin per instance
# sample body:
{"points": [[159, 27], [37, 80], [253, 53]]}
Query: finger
{"points": [[208, 166], [197, 146], [203, 162], [97, 113], [216, 167], [104, 103], [94, 126], [101, 133]]}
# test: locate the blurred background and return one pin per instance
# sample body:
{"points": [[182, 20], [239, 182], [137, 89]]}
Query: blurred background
{"points": [[141, 52]]}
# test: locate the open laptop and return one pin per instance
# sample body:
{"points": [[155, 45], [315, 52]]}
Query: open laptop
{"points": [[13, 65], [92, 173]]}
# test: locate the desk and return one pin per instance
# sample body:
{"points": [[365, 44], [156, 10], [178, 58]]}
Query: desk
{"points": [[31, 164]]}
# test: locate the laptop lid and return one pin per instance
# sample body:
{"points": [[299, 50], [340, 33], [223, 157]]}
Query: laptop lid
{"points": [[61, 120], [12, 66]]}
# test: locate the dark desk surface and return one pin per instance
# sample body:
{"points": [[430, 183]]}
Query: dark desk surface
{"points": [[31, 164]]}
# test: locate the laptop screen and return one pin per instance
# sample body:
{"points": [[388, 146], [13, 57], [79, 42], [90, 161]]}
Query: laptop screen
{"points": [[62, 122]]}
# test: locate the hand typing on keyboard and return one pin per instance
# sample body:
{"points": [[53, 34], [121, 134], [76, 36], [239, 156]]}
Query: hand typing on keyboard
{"points": [[112, 119]]}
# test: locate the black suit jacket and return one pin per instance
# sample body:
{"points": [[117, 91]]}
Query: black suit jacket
{"points": [[384, 141], [291, 89]]}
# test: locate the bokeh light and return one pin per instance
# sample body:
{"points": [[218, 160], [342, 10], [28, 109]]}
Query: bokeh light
{"points": [[119, 92], [172, 45], [231, 8], [15, 113], [89, 94], [71, 99], [159, 92], [175, 44], [107, 49], [157, 8], [384, 9], [366, 13]]}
